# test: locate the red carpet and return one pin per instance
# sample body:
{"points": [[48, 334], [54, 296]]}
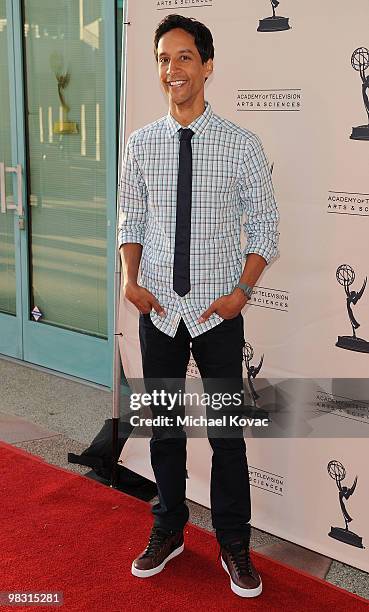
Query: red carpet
{"points": [[63, 532]]}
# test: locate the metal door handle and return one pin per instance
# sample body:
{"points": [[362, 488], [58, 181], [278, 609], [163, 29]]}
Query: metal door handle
{"points": [[2, 188], [18, 171]]}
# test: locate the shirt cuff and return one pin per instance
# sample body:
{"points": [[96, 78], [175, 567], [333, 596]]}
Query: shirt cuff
{"points": [[130, 236], [268, 252]]}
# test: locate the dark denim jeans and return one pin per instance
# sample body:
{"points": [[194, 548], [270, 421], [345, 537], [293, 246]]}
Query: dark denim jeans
{"points": [[218, 354]]}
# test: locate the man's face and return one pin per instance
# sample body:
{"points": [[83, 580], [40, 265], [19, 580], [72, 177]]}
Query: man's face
{"points": [[181, 70]]}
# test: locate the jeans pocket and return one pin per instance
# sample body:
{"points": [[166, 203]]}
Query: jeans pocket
{"points": [[233, 320]]}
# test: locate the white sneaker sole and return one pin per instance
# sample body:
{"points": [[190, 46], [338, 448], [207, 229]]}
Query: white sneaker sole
{"points": [[242, 592], [156, 570]]}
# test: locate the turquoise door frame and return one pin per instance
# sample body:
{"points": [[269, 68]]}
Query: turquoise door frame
{"points": [[11, 326], [78, 354]]}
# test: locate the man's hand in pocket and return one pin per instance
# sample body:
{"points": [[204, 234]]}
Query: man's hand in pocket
{"points": [[227, 306], [142, 299]]}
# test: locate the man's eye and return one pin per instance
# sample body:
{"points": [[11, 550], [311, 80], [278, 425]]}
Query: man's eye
{"points": [[163, 59], [185, 57]]}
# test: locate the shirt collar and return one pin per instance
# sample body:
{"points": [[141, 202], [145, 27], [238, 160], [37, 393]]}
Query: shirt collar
{"points": [[197, 126]]}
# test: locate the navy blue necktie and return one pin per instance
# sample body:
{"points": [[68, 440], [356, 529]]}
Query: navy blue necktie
{"points": [[181, 269]]}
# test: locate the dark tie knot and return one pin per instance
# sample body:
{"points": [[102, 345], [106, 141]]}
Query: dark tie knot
{"points": [[185, 134]]}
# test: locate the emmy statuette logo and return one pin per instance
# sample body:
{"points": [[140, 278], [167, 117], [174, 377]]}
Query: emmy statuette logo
{"points": [[337, 471], [64, 126], [360, 62], [252, 371], [273, 23], [253, 410], [346, 276]]}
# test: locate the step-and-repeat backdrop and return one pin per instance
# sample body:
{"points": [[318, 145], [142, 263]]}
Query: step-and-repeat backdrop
{"points": [[297, 74]]}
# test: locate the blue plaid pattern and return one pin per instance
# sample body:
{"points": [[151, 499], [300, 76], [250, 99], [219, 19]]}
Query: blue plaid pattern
{"points": [[231, 177]]}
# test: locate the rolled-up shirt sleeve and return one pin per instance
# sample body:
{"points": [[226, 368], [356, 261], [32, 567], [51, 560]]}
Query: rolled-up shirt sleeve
{"points": [[258, 202], [132, 199]]}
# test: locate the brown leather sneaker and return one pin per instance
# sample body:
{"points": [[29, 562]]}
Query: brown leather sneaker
{"points": [[162, 547], [235, 558]]}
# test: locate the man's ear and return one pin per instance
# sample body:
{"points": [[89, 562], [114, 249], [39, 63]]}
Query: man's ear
{"points": [[208, 68]]}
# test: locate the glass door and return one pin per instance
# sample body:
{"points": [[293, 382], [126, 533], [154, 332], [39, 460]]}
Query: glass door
{"points": [[10, 279], [65, 141]]}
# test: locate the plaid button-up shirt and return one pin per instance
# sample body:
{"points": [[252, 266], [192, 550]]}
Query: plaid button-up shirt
{"points": [[231, 187]]}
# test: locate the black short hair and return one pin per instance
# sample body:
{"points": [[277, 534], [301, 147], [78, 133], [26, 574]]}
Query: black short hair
{"points": [[201, 34]]}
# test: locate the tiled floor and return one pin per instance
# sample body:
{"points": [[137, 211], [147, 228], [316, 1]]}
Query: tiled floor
{"points": [[49, 416]]}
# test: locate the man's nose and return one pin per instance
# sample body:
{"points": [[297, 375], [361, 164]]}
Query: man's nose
{"points": [[171, 67]]}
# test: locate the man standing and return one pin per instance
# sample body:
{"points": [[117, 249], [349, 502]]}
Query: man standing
{"points": [[186, 181]]}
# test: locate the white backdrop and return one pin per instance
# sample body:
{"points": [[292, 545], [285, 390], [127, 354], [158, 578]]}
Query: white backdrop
{"points": [[298, 309]]}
